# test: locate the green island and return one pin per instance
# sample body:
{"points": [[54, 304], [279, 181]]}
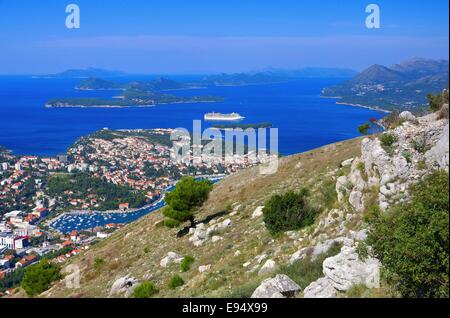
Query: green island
{"points": [[135, 94]]}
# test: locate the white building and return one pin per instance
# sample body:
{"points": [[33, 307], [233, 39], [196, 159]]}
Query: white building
{"points": [[102, 235], [12, 214], [7, 240]]}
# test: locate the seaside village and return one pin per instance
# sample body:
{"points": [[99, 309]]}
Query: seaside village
{"points": [[27, 208]]}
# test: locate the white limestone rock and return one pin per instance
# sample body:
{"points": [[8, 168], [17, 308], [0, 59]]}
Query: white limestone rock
{"points": [[359, 235], [320, 248], [356, 200], [246, 264], [346, 269], [260, 258], [267, 268], [281, 286], [171, 258], [219, 227], [299, 255], [341, 187], [198, 235], [355, 176], [406, 115], [347, 162], [216, 238], [204, 268], [438, 155], [321, 288], [123, 285], [258, 212]]}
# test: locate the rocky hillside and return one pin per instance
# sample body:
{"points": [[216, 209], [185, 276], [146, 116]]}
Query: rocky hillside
{"points": [[233, 255]]}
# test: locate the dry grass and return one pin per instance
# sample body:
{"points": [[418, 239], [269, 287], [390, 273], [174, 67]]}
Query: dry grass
{"points": [[125, 251]]}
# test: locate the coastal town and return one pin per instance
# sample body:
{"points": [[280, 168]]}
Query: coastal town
{"points": [[110, 171]]}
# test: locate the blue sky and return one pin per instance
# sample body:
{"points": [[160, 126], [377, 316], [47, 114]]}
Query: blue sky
{"points": [[203, 36]]}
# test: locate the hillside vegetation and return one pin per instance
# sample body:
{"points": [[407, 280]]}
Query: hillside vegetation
{"points": [[138, 248]]}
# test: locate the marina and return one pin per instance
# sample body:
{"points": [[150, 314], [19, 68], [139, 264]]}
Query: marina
{"points": [[88, 220]]}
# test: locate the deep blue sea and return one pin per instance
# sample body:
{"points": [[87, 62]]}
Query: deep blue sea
{"points": [[305, 121]]}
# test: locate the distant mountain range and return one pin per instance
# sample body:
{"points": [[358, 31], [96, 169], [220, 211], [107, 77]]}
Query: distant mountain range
{"points": [[84, 73], [159, 84], [402, 86], [273, 75]]}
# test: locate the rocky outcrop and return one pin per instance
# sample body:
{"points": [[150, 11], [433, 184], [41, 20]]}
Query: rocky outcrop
{"points": [[170, 259], [346, 270], [342, 187], [281, 286], [267, 268], [347, 162], [320, 248], [417, 141], [418, 146], [219, 227], [356, 199], [321, 288], [406, 115], [342, 272], [438, 157], [200, 234], [123, 285]]}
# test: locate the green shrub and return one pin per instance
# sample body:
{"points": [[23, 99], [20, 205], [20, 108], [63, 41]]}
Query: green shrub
{"points": [[420, 144], [357, 291], [421, 165], [328, 194], [186, 263], [98, 262], [146, 250], [364, 129], [387, 142], [388, 139], [407, 156], [170, 223], [436, 101], [38, 277], [412, 239], [176, 281], [188, 196], [288, 212], [362, 168], [145, 290], [362, 250]]}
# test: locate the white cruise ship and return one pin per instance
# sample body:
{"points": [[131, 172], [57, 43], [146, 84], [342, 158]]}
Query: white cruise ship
{"points": [[223, 117]]}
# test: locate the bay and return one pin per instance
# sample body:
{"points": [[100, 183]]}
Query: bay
{"points": [[305, 120]]}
